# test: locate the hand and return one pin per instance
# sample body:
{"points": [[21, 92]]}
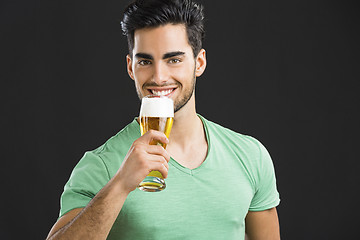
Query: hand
{"points": [[142, 158]]}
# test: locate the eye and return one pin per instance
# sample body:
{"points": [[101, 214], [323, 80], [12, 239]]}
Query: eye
{"points": [[174, 60], [144, 62]]}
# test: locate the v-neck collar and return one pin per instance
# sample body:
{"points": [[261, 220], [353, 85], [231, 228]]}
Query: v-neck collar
{"points": [[177, 165]]}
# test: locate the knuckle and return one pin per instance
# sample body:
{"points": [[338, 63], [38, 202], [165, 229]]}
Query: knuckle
{"points": [[138, 147], [135, 145], [160, 149], [166, 156], [166, 166], [143, 163], [152, 131]]}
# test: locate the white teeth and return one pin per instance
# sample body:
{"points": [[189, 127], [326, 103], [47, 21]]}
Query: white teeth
{"points": [[161, 93]]}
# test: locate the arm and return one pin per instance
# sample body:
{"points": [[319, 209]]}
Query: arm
{"points": [[96, 219], [262, 225]]}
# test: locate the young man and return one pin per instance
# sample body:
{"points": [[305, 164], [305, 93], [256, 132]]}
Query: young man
{"points": [[219, 183]]}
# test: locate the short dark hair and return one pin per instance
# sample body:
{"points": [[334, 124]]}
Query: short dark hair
{"points": [[153, 13]]}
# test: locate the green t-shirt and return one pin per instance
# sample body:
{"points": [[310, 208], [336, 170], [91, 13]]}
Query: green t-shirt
{"points": [[208, 202]]}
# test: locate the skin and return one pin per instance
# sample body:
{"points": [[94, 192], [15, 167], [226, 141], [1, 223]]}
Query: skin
{"points": [[262, 225], [162, 59], [152, 69]]}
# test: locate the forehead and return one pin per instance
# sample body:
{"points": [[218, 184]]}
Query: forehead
{"points": [[162, 39]]}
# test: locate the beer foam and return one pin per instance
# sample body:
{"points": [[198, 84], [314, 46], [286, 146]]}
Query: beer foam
{"points": [[157, 107]]}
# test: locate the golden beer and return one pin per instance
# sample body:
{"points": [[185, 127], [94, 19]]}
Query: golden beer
{"points": [[156, 113], [162, 124]]}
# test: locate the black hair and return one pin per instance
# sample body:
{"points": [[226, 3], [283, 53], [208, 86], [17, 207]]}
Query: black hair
{"points": [[153, 13]]}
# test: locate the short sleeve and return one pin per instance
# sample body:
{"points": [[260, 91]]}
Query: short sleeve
{"points": [[266, 195], [86, 180]]}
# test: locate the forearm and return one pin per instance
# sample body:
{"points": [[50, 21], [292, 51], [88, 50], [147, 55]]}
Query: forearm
{"points": [[97, 218]]}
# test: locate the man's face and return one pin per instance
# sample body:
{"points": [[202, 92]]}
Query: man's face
{"points": [[163, 63]]}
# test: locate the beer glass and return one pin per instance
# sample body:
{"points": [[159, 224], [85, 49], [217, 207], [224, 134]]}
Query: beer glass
{"points": [[157, 113]]}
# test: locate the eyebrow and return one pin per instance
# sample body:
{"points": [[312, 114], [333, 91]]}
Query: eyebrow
{"points": [[144, 55], [165, 56], [172, 54]]}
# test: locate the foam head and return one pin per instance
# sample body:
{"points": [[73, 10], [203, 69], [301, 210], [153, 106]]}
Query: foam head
{"points": [[158, 106]]}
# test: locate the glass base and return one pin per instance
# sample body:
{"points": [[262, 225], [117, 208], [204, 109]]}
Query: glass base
{"points": [[152, 184]]}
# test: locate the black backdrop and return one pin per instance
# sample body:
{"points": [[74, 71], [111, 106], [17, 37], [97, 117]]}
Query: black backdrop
{"points": [[285, 72]]}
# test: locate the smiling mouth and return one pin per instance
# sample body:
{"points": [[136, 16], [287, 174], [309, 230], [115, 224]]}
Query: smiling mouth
{"points": [[162, 92]]}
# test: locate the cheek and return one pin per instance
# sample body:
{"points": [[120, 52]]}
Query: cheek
{"points": [[180, 74], [185, 73], [140, 75]]}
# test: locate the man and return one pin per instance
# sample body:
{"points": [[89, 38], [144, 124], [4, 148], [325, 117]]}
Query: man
{"points": [[219, 183]]}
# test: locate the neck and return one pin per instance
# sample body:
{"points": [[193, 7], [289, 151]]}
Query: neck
{"points": [[187, 126]]}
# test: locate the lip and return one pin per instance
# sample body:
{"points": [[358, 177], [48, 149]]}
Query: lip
{"points": [[162, 89]]}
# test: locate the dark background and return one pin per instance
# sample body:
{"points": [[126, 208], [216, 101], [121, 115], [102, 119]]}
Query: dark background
{"points": [[286, 72]]}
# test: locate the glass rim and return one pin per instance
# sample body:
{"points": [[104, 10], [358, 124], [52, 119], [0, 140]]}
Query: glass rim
{"points": [[155, 96]]}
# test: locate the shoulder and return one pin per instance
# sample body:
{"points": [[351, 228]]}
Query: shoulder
{"points": [[230, 137], [110, 154], [124, 137]]}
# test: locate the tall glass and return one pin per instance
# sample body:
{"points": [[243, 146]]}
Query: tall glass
{"points": [[157, 113]]}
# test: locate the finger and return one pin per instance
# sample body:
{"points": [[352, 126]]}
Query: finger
{"points": [[152, 135], [158, 159], [158, 150], [157, 166]]}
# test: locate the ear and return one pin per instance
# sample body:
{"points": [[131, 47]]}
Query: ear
{"points": [[129, 67], [200, 63]]}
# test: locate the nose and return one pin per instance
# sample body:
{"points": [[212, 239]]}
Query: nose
{"points": [[161, 73]]}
